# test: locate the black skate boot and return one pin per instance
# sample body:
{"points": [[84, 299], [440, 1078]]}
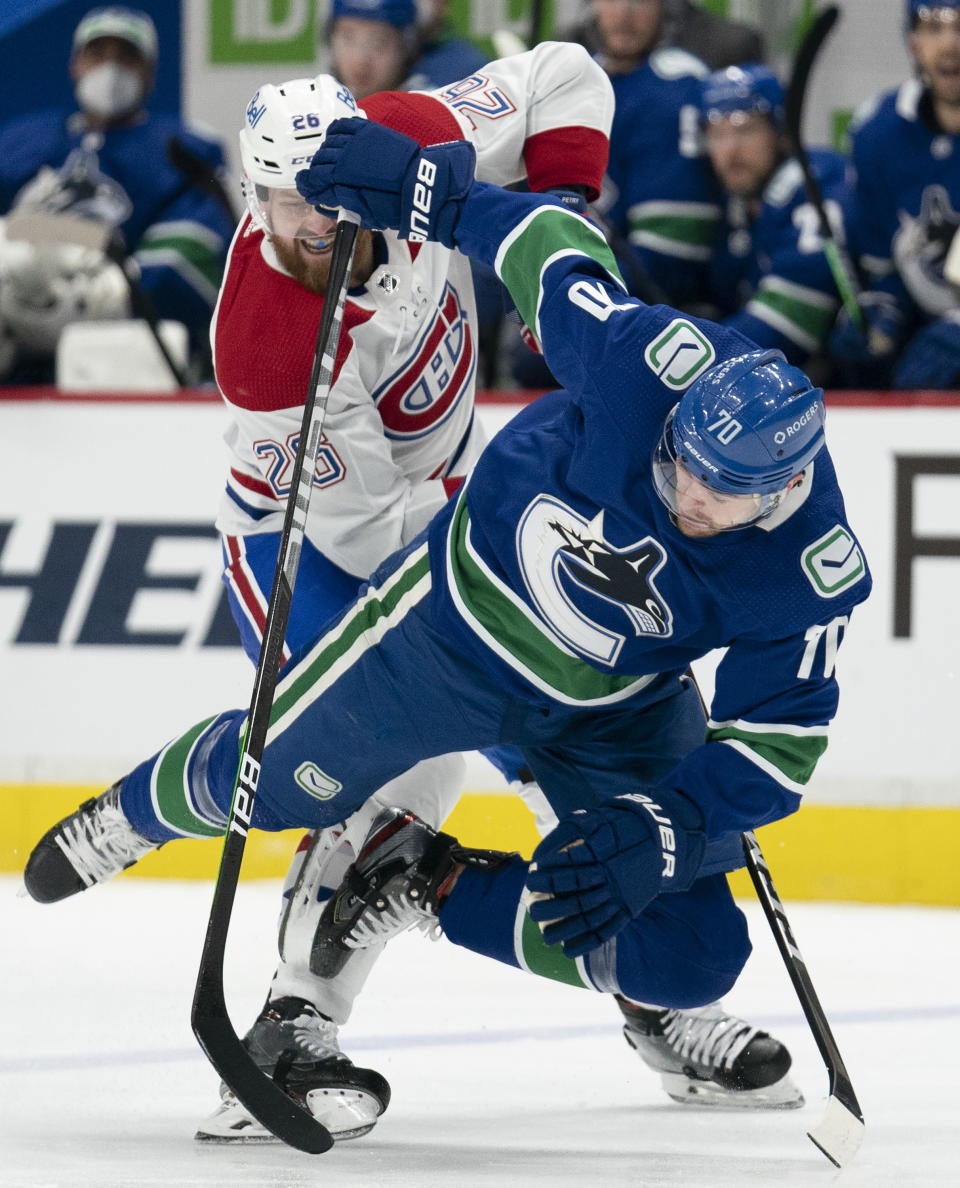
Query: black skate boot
{"points": [[297, 1047], [706, 1057], [399, 880], [88, 847]]}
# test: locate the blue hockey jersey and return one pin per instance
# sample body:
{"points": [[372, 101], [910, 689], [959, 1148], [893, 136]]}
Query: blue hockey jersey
{"points": [[768, 274], [561, 559], [176, 230], [907, 205], [444, 60], [666, 204]]}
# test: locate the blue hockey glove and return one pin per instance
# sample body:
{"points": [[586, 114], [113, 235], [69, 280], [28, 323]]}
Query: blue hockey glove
{"points": [[602, 866], [388, 180], [932, 358], [880, 336]]}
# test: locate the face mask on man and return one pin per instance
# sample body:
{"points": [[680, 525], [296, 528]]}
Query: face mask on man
{"points": [[109, 90]]}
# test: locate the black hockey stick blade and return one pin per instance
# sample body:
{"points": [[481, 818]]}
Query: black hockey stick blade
{"points": [[264, 1099], [807, 54]]}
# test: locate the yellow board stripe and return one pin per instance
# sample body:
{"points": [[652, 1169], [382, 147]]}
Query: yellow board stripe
{"points": [[863, 854]]}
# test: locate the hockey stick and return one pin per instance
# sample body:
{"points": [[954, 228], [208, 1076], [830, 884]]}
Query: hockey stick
{"points": [[535, 34], [200, 173], [841, 1131], [264, 1098], [844, 275]]}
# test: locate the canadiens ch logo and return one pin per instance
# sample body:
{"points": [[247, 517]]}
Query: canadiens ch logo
{"points": [[559, 549], [429, 385]]}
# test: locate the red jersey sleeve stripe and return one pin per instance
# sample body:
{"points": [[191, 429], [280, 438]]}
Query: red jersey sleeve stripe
{"points": [[572, 156], [424, 118]]}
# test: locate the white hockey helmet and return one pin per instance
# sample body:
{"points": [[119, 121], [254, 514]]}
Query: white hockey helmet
{"points": [[283, 127]]}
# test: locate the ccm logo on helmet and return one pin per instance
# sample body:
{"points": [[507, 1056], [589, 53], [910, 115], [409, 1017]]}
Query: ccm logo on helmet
{"points": [[783, 435], [422, 201]]}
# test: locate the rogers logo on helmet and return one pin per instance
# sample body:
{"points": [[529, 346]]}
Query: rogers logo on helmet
{"points": [[782, 435]]}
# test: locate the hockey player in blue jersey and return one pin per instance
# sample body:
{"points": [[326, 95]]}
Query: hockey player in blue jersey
{"points": [[663, 205], [444, 56], [906, 152], [148, 176], [768, 275], [676, 497]]}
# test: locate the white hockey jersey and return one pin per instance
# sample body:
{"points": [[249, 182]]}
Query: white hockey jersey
{"points": [[399, 428]]}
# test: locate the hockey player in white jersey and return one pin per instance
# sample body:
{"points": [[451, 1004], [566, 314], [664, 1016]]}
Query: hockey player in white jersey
{"points": [[398, 436]]}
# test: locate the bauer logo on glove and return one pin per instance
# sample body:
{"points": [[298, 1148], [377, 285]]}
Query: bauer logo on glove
{"points": [[602, 866], [389, 181]]}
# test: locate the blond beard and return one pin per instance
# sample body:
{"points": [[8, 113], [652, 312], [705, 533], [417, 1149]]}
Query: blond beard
{"points": [[313, 272]]}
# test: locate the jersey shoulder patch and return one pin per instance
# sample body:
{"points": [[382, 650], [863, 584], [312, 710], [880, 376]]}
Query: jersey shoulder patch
{"points": [[833, 563], [671, 64], [679, 354]]}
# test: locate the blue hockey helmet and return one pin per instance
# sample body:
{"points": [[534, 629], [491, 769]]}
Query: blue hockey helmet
{"points": [[746, 427], [752, 87], [402, 14], [919, 8]]}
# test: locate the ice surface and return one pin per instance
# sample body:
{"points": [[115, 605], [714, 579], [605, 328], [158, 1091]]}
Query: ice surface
{"points": [[498, 1078]]}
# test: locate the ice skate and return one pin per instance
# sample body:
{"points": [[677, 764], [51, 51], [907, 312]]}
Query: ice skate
{"points": [[400, 878], [706, 1057], [88, 847], [297, 1047]]}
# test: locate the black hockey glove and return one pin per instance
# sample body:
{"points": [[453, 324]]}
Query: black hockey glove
{"points": [[600, 867]]}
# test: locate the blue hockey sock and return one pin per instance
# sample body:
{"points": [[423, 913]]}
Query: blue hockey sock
{"points": [[484, 912], [185, 789]]}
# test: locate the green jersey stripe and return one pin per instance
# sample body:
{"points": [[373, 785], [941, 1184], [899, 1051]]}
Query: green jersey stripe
{"points": [[547, 234], [338, 649], [510, 629], [189, 248], [169, 787], [789, 758], [548, 961], [804, 315], [679, 228], [205, 281]]}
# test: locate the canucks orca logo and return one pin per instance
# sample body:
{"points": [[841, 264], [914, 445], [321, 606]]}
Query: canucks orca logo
{"points": [[920, 249], [559, 550], [78, 187]]}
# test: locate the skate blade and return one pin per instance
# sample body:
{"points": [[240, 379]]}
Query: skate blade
{"points": [[346, 1113], [240, 1138], [783, 1095]]}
